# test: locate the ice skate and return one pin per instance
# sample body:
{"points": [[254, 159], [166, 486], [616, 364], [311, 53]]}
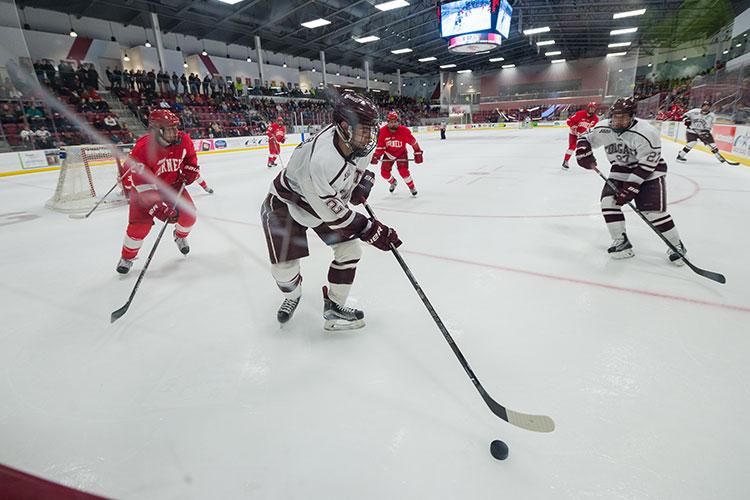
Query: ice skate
{"points": [[681, 158], [392, 187], [413, 191], [286, 311], [208, 189], [123, 267], [338, 317], [621, 248], [565, 165], [674, 257], [182, 243]]}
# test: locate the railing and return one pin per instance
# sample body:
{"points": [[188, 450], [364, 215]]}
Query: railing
{"points": [[534, 96]]}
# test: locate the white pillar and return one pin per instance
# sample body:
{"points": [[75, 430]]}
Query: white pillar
{"points": [[398, 80], [260, 60], [323, 63], [367, 75], [159, 42]]}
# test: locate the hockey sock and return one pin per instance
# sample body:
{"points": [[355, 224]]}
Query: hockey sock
{"points": [[664, 223], [409, 182], [567, 156], [613, 216], [288, 278]]}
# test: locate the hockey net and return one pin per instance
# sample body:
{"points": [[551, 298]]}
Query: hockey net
{"points": [[87, 173]]}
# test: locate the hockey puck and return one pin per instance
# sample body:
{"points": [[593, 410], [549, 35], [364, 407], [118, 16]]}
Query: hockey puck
{"points": [[499, 449]]}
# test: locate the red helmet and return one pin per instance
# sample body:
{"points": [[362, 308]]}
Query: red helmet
{"points": [[392, 116], [279, 118], [592, 104], [160, 118]]}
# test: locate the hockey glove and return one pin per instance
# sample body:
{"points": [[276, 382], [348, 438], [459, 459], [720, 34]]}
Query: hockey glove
{"points": [[362, 190], [163, 212], [418, 157], [584, 155], [628, 191], [688, 122], [188, 174], [380, 236], [375, 159]]}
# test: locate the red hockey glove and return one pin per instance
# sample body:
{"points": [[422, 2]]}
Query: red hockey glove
{"points": [[628, 191], [584, 155], [362, 190], [188, 174], [282, 140], [375, 159], [418, 157], [380, 236], [163, 212]]}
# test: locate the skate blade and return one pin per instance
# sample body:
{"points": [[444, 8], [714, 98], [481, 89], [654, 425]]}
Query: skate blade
{"points": [[625, 254], [332, 325]]}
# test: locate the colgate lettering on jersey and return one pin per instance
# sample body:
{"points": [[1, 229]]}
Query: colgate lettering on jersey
{"points": [[619, 148]]}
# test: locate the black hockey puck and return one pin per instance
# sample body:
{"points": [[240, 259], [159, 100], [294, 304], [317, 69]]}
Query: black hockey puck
{"points": [[499, 449]]}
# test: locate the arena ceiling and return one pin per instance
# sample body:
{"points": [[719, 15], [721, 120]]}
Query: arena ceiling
{"points": [[580, 28]]}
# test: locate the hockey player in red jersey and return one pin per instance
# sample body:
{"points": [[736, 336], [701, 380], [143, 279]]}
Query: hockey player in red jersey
{"points": [[392, 141], [160, 163], [276, 137], [580, 123]]}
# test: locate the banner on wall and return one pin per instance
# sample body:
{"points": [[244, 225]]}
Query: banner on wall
{"points": [[33, 159], [724, 137], [741, 141]]}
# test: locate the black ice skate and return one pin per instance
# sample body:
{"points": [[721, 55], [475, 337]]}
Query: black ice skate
{"points": [[674, 257], [338, 317], [565, 165], [621, 248], [123, 267], [681, 158], [392, 187], [182, 243], [286, 311], [413, 191], [208, 189]]}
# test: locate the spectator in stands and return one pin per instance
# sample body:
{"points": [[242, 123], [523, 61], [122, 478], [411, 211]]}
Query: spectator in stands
{"points": [[206, 84], [51, 73], [151, 81], [126, 136], [27, 138], [110, 77], [175, 82], [43, 138], [162, 79], [195, 84], [214, 130], [184, 83], [127, 79], [92, 77], [117, 82], [110, 123], [140, 81], [8, 91], [212, 83]]}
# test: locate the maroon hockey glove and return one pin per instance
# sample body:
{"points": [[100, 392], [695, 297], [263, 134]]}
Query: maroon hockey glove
{"points": [[688, 122], [418, 157], [628, 191], [380, 236], [163, 212], [362, 190], [584, 155], [188, 174]]}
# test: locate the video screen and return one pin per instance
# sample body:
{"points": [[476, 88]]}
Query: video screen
{"points": [[465, 16], [503, 18]]}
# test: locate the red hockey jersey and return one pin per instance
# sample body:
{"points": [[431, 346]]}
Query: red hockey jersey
{"points": [[393, 144], [164, 163], [277, 131], [582, 122]]}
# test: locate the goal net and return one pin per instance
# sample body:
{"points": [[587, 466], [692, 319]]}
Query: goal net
{"points": [[87, 173]]}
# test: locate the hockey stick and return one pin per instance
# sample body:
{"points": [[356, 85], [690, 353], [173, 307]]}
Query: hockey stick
{"points": [[537, 423], [121, 311], [719, 278], [79, 216], [283, 163]]}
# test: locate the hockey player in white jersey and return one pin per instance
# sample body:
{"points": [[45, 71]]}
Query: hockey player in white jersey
{"points": [[638, 171], [323, 175], [699, 123]]}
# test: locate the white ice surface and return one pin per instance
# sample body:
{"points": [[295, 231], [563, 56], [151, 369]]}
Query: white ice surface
{"points": [[196, 393]]}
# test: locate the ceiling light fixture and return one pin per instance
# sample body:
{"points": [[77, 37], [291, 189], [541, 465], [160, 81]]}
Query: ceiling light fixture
{"points": [[400, 51], [393, 4], [553, 53], [427, 59], [534, 31], [616, 54], [545, 42], [464, 71], [446, 66], [630, 13], [619, 44], [316, 23], [623, 31], [508, 66], [367, 39], [497, 59], [555, 61]]}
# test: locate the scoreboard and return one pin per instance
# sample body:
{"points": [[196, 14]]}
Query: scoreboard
{"points": [[474, 25]]}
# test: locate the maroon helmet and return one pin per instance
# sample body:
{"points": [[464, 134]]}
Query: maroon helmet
{"points": [[622, 106], [357, 110]]}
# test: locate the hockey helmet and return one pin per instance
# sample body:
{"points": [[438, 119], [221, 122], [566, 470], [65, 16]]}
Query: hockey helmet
{"points": [[706, 107], [166, 124], [621, 114], [360, 123]]}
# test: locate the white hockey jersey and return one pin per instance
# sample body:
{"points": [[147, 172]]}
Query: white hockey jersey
{"points": [[700, 123], [317, 184], [635, 154]]}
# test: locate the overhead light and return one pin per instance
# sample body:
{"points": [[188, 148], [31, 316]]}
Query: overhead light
{"points": [[619, 44], [400, 51], [464, 71], [230, 2], [546, 42], [553, 53], [623, 31], [630, 13], [725, 52], [316, 23], [497, 59], [204, 53], [338, 74], [184, 65], [738, 45], [337, 85], [147, 44], [375, 90], [348, 90], [555, 61], [508, 66], [649, 65], [391, 82], [367, 39], [313, 70], [619, 70], [615, 54], [126, 58], [393, 4], [534, 31], [426, 59], [283, 65], [424, 85], [358, 77], [375, 80], [684, 58], [446, 66], [73, 33]]}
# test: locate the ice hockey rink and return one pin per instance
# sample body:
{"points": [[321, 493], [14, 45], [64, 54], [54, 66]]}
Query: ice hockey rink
{"points": [[197, 393]]}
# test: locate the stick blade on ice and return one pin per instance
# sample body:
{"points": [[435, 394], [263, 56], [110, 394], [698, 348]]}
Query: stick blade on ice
{"points": [[119, 313], [536, 423]]}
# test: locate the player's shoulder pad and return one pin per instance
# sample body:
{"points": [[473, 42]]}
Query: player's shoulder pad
{"points": [[602, 127], [645, 133], [693, 111]]}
